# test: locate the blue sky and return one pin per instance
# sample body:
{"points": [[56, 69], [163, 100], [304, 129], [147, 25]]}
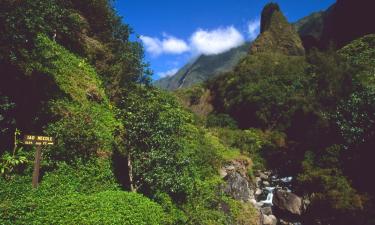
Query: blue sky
{"points": [[173, 32]]}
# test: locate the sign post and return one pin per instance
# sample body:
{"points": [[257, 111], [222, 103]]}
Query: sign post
{"points": [[38, 157], [37, 141]]}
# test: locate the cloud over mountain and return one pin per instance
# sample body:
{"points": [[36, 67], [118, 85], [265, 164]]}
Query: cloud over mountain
{"points": [[168, 45], [253, 28], [207, 42], [216, 41]]}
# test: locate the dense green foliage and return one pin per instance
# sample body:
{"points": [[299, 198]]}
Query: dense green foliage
{"points": [[72, 67], [154, 124], [320, 108], [221, 120], [264, 90], [82, 194]]}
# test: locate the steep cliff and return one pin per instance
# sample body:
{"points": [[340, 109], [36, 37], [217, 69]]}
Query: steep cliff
{"points": [[277, 35]]}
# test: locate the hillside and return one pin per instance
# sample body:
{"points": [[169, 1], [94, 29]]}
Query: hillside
{"points": [[330, 27], [272, 134], [203, 68], [120, 151], [319, 108], [315, 30]]}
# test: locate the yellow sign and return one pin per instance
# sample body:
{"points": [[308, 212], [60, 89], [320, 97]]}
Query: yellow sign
{"points": [[38, 140]]}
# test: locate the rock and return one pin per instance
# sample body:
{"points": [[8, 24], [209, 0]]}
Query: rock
{"points": [[266, 183], [267, 173], [223, 172], [305, 203], [238, 187], [254, 202], [266, 210], [230, 168], [257, 181], [263, 176], [258, 191], [287, 202], [276, 34], [269, 220]]}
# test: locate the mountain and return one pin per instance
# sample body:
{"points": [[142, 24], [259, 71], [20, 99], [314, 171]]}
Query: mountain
{"points": [[343, 22], [203, 68], [277, 35], [310, 29]]}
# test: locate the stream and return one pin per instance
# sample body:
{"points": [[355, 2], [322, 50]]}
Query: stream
{"points": [[267, 184]]}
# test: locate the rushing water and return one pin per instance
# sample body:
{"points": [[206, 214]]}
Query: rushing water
{"points": [[265, 199]]}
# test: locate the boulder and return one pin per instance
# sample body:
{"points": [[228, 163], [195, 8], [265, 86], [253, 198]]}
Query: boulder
{"points": [[266, 183], [238, 187], [287, 202], [269, 220], [257, 181], [266, 210], [258, 191], [263, 176]]}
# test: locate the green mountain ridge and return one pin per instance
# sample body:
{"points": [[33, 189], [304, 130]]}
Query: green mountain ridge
{"points": [[209, 67], [318, 29], [203, 68]]}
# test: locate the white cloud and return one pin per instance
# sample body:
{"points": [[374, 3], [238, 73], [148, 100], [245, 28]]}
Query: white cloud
{"points": [[202, 41], [216, 41], [173, 45], [167, 73], [169, 45], [152, 45], [253, 28]]}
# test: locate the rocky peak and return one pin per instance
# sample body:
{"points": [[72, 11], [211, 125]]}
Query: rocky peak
{"points": [[269, 10], [277, 35]]}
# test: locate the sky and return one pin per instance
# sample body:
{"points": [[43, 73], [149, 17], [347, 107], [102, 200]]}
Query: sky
{"points": [[175, 32]]}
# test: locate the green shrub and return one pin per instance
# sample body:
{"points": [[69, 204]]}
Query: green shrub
{"points": [[82, 131], [7, 122], [204, 206], [20, 204], [108, 207], [221, 120], [155, 125], [174, 215], [361, 54], [332, 195]]}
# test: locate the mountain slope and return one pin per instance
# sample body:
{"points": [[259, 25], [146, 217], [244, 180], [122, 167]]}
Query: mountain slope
{"points": [[203, 68], [343, 22]]}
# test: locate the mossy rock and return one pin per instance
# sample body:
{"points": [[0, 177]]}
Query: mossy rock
{"points": [[277, 35]]}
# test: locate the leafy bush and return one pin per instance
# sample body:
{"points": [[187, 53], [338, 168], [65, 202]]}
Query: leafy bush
{"points": [[206, 202], [108, 207], [22, 21], [174, 215], [7, 121], [332, 197], [80, 194], [361, 54], [9, 164], [82, 131], [5, 118], [355, 120], [155, 125], [221, 120]]}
